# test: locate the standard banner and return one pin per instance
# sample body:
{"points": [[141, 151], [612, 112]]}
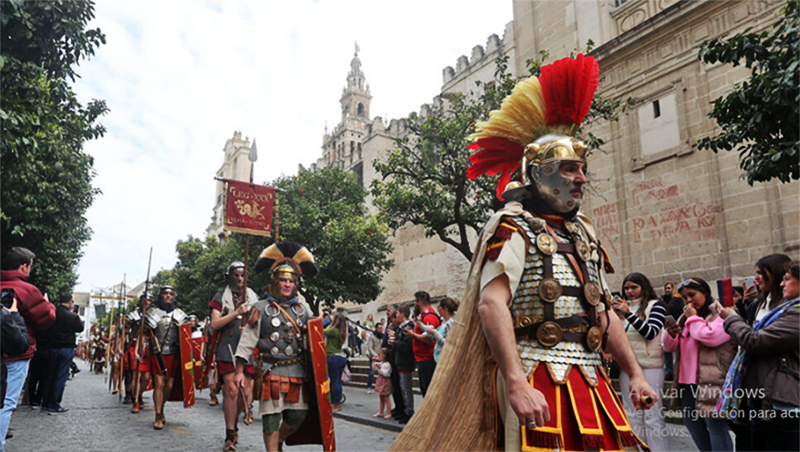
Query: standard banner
{"points": [[248, 208]]}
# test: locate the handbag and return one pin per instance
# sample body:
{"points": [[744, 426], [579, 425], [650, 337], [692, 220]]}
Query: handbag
{"points": [[346, 375]]}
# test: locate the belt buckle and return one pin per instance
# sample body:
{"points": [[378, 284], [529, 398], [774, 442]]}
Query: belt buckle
{"points": [[549, 334]]}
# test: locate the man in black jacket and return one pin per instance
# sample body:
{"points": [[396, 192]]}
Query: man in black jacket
{"points": [[62, 349], [389, 336], [404, 359]]}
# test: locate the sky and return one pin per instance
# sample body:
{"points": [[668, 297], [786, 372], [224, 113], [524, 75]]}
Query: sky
{"points": [[180, 77]]}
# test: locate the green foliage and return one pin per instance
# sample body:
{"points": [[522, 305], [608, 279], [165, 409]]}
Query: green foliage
{"points": [[322, 210], [46, 176], [759, 118], [424, 180]]}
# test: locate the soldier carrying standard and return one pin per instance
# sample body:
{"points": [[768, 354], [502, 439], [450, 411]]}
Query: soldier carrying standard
{"points": [[278, 329], [228, 307]]}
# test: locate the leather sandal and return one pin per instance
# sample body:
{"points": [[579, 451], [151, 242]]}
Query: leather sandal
{"points": [[158, 424], [135, 408], [230, 441]]}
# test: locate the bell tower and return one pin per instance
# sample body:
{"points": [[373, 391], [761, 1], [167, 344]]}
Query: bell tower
{"points": [[355, 97]]}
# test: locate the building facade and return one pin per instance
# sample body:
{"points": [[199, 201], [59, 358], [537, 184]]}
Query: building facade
{"points": [[236, 165], [660, 206]]}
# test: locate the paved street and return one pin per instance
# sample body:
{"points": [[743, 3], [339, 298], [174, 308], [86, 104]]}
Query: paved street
{"points": [[97, 421]]}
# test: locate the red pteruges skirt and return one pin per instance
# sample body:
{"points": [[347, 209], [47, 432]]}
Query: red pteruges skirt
{"points": [[587, 416]]}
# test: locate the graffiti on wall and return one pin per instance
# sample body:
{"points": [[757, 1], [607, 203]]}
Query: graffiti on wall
{"points": [[663, 215]]}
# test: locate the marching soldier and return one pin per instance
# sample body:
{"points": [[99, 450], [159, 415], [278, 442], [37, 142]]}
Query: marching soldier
{"points": [[228, 307], [162, 322], [139, 354], [278, 331]]}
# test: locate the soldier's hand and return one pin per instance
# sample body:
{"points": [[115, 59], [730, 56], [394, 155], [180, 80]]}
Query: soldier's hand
{"points": [[642, 395], [238, 379], [242, 309], [529, 404]]}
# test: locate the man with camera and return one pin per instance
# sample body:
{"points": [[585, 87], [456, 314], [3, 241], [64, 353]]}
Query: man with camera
{"points": [[38, 314], [62, 349]]}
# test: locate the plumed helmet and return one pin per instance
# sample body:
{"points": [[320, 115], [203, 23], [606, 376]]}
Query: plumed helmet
{"points": [[533, 130], [286, 260]]}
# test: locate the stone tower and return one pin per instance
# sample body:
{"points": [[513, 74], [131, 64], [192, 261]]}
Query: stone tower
{"points": [[342, 147], [235, 166]]}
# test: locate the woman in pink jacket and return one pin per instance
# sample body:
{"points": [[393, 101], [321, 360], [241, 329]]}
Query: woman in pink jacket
{"points": [[704, 353]]}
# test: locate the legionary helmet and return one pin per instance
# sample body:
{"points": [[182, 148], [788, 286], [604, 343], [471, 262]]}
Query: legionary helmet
{"points": [[533, 130], [286, 260], [165, 289], [234, 268]]}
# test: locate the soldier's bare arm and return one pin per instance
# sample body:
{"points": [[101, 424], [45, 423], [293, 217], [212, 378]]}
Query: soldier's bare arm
{"points": [[529, 404]]}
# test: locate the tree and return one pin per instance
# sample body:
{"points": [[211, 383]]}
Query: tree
{"points": [[759, 118], [424, 180], [324, 211], [46, 176]]}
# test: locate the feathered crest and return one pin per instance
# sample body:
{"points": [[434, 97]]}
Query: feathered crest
{"points": [[556, 102], [298, 256]]}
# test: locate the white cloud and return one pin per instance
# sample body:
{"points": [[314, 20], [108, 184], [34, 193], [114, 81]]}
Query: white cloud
{"points": [[181, 76]]}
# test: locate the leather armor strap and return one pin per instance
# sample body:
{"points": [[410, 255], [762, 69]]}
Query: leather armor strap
{"points": [[286, 314], [567, 336], [565, 247], [549, 308], [590, 309], [572, 321]]}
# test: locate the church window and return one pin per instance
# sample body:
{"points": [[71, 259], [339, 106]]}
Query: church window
{"points": [[352, 147], [360, 109]]}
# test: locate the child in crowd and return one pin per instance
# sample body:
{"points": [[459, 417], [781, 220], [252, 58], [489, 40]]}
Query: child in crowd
{"points": [[383, 387]]}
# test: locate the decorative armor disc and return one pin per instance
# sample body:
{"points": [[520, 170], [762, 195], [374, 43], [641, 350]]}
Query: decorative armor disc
{"points": [[274, 336], [549, 334], [274, 351], [289, 350], [592, 293], [288, 326], [573, 228], [549, 290], [546, 244], [594, 338], [583, 250], [276, 322]]}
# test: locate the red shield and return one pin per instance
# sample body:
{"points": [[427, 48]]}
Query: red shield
{"points": [[318, 427]]}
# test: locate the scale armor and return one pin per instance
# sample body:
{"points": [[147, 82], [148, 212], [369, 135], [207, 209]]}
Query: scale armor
{"points": [[168, 335], [526, 302], [282, 342]]}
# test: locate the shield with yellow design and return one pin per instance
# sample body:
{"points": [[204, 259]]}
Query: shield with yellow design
{"points": [[318, 426]]}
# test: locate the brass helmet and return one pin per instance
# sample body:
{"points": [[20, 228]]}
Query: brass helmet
{"points": [[533, 131], [286, 260]]}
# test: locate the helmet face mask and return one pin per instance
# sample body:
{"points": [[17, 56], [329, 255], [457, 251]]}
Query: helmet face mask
{"points": [[555, 189]]}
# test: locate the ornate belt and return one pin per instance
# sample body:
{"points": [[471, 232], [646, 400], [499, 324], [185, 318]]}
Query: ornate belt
{"points": [[549, 333], [269, 359]]}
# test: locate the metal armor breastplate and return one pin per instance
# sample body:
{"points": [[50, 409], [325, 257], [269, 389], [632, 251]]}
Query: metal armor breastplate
{"points": [[527, 302], [165, 327], [279, 340]]}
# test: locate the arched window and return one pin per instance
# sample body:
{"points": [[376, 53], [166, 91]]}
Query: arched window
{"points": [[360, 109]]}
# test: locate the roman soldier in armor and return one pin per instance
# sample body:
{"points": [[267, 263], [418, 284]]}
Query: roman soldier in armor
{"points": [[277, 331], [161, 324], [527, 345], [228, 308], [138, 354]]}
